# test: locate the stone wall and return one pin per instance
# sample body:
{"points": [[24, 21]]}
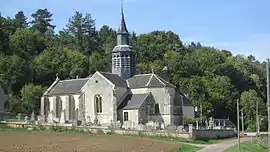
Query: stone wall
{"points": [[213, 134], [194, 134]]}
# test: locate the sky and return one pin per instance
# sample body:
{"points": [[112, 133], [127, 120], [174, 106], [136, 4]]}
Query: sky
{"points": [[241, 26]]}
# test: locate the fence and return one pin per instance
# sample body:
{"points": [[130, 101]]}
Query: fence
{"points": [[192, 134], [10, 117]]}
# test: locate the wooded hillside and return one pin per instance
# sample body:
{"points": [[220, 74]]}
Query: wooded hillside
{"points": [[32, 53]]}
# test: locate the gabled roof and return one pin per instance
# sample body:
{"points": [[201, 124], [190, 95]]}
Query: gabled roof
{"points": [[135, 101], [186, 102], [65, 87], [147, 81], [115, 79]]}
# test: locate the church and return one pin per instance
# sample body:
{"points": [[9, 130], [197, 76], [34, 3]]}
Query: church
{"points": [[121, 95]]}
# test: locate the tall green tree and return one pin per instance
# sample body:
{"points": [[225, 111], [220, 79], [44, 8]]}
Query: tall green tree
{"points": [[82, 29], [107, 39], [67, 63], [27, 43], [30, 98], [20, 20], [42, 20]]}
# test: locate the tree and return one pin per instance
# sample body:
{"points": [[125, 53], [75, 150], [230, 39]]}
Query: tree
{"points": [[107, 39], [15, 72], [82, 29], [20, 20], [154, 45], [98, 63], [68, 63], [27, 43], [30, 98], [248, 102], [42, 19], [6, 29]]}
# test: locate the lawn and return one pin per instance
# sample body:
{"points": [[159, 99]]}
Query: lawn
{"points": [[186, 148], [247, 146]]}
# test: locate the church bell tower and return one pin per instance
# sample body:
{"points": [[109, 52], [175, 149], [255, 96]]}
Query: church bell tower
{"points": [[123, 55]]}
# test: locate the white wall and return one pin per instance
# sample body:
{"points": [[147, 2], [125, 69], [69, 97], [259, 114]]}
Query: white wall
{"points": [[163, 98], [188, 111], [133, 116], [65, 104], [99, 85]]}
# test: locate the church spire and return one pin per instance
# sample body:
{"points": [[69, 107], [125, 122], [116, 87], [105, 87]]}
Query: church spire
{"points": [[123, 27], [123, 55]]}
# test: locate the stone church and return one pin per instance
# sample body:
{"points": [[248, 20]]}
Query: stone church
{"points": [[122, 95]]}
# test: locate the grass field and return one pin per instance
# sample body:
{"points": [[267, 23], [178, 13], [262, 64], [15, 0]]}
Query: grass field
{"points": [[247, 146]]}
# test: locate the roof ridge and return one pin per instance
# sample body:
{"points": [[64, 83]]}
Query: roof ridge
{"points": [[147, 95], [143, 74], [147, 84], [51, 87], [74, 79], [109, 73]]}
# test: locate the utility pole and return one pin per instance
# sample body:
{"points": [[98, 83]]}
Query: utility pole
{"points": [[242, 114], [238, 125], [257, 118], [268, 102], [201, 113]]}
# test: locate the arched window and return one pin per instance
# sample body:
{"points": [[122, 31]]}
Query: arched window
{"points": [[98, 104]]}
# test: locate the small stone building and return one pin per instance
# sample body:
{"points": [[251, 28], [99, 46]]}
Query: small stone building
{"points": [[106, 97]]}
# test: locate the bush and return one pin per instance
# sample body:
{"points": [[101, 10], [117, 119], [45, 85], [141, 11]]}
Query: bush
{"points": [[263, 142]]}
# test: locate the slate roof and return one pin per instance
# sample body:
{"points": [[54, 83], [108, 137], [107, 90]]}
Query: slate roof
{"points": [[148, 80], [186, 102], [115, 79], [67, 87], [123, 26], [120, 48], [134, 101]]}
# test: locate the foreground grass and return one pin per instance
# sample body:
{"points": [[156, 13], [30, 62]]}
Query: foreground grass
{"points": [[186, 148], [247, 146], [3, 127]]}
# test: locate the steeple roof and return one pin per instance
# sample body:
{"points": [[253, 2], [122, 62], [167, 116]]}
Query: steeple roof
{"points": [[123, 26]]}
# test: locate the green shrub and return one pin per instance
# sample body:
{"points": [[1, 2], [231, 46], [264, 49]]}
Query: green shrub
{"points": [[262, 142]]}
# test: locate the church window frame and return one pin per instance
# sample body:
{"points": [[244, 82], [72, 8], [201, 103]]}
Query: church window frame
{"points": [[125, 116], [156, 106], [98, 103]]}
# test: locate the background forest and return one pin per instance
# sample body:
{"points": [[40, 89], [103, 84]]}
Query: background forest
{"points": [[31, 54]]}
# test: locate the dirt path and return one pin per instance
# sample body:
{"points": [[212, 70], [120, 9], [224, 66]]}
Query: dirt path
{"points": [[45, 142], [220, 147]]}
